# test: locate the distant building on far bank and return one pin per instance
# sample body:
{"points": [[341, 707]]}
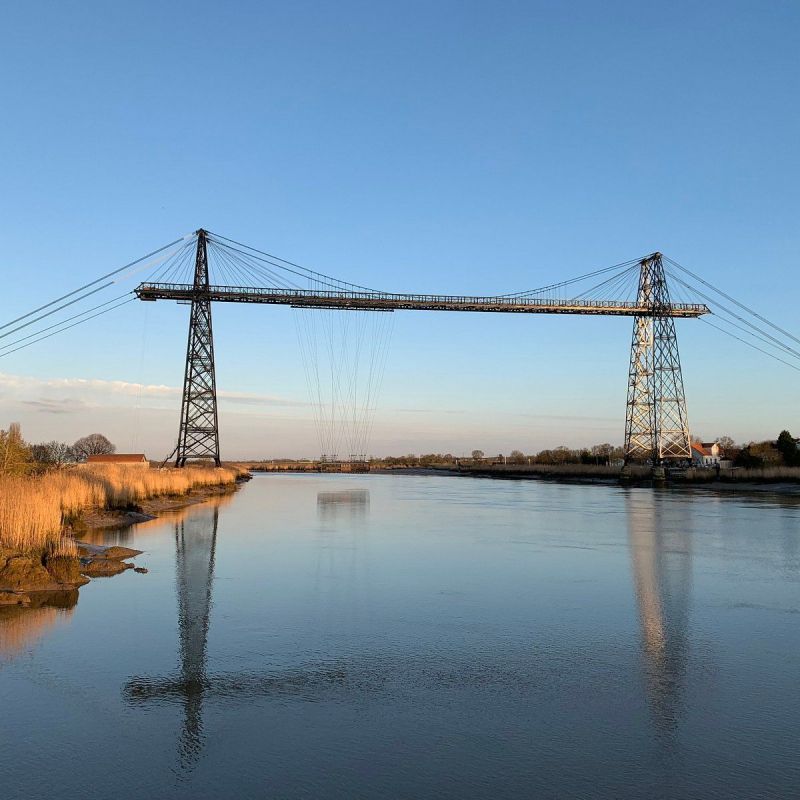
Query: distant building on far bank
{"points": [[121, 459], [709, 454]]}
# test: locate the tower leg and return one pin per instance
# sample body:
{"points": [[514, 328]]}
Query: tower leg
{"points": [[198, 436], [656, 422]]}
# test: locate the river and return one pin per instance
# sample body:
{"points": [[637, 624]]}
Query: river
{"points": [[359, 636]]}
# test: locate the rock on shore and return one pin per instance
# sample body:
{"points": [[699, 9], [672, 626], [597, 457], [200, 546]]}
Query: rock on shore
{"points": [[23, 573], [26, 573], [103, 562]]}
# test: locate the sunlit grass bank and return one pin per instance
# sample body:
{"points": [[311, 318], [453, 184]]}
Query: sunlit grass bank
{"points": [[35, 509]]}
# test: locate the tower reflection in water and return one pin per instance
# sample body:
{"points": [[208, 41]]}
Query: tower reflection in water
{"points": [[195, 546], [192, 685], [660, 545]]}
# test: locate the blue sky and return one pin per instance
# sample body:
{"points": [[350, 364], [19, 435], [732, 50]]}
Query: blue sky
{"points": [[438, 146]]}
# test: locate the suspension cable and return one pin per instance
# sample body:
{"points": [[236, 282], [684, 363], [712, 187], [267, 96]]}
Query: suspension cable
{"points": [[623, 264], [63, 321], [291, 264], [763, 333], [733, 300], [749, 344], [92, 283], [615, 281], [77, 299], [80, 322]]}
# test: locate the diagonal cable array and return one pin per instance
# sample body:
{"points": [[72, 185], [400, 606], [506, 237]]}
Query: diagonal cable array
{"points": [[247, 262], [172, 261], [734, 318], [561, 290], [232, 263]]}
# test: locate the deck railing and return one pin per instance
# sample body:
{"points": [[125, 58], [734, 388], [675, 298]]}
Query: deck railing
{"points": [[388, 301]]}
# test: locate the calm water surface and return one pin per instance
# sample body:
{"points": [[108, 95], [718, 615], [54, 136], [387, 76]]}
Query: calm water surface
{"points": [[410, 637]]}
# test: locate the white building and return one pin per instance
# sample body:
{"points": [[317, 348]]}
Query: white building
{"points": [[709, 454]]}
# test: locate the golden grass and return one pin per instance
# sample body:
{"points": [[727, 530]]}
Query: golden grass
{"points": [[33, 510], [30, 517], [125, 486]]}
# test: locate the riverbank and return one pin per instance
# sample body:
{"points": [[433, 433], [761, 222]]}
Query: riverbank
{"points": [[568, 473], [783, 481], [146, 510], [577, 473], [40, 518]]}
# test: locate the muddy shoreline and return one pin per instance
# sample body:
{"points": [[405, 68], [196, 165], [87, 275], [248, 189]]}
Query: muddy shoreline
{"points": [[34, 580], [112, 519]]}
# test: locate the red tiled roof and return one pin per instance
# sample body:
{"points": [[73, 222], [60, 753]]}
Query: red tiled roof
{"points": [[116, 458], [701, 449]]}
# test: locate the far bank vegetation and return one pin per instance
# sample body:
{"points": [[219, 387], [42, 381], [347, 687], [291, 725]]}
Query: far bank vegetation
{"points": [[769, 461]]}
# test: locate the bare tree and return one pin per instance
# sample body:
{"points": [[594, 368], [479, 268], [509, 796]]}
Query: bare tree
{"points": [[92, 445], [517, 457], [602, 453], [53, 453], [726, 443], [563, 455], [477, 455]]}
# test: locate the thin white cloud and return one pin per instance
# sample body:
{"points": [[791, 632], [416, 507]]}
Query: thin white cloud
{"points": [[94, 392], [64, 406], [29, 383]]}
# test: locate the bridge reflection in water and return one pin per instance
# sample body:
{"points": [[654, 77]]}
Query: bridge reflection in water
{"points": [[192, 684], [660, 551], [661, 562], [195, 549]]}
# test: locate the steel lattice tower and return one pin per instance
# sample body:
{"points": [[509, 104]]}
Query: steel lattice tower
{"points": [[656, 424], [198, 436]]}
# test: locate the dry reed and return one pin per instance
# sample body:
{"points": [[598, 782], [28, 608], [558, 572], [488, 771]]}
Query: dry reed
{"points": [[34, 510]]}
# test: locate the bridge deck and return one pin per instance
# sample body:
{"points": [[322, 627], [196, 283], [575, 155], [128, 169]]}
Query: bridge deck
{"points": [[382, 301]]}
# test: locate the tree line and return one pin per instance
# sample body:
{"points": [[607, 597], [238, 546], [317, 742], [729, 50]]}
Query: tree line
{"points": [[18, 457], [597, 454], [783, 451]]}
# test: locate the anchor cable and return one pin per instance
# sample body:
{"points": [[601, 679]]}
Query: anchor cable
{"points": [[90, 284], [80, 322], [733, 300]]}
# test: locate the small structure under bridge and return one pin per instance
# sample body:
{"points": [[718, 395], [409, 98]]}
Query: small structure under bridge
{"points": [[656, 422]]}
